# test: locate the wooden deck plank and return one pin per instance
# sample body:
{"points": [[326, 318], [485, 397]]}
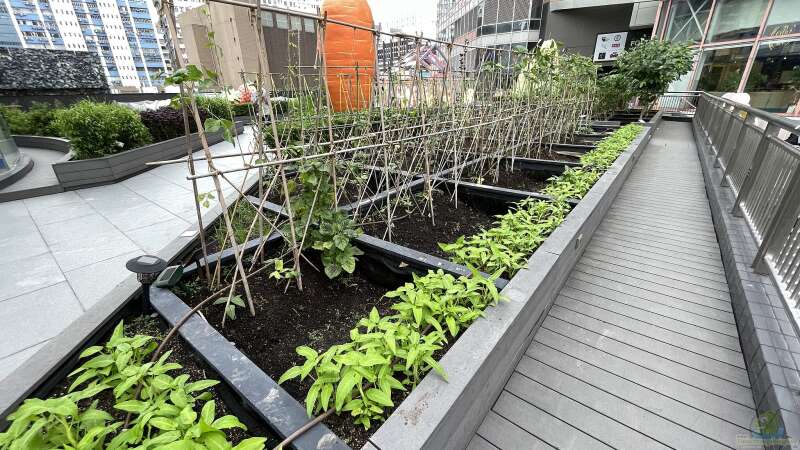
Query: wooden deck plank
{"points": [[634, 416], [551, 429], [680, 372], [640, 349], [647, 343], [684, 341]]}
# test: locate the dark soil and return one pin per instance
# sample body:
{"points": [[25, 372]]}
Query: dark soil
{"points": [[417, 232], [320, 316], [193, 366], [523, 180]]}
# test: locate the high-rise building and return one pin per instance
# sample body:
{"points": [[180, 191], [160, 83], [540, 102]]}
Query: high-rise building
{"points": [[182, 6], [501, 24], [289, 41], [121, 32]]}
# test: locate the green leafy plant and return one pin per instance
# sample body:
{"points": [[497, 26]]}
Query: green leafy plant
{"points": [[281, 272], [164, 409], [330, 230], [518, 233], [393, 353], [651, 65], [231, 303], [100, 129], [57, 423]]}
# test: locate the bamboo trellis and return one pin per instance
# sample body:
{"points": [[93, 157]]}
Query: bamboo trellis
{"points": [[425, 120]]}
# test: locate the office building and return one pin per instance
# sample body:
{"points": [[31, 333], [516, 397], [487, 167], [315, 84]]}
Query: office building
{"points": [[749, 46], [121, 32], [502, 24], [289, 41]]}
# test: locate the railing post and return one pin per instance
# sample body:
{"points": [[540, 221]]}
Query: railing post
{"points": [[736, 150], [783, 222], [724, 137], [752, 173]]}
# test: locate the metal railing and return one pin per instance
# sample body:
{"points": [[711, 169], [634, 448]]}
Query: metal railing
{"points": [[760, 158], [678, 102]]}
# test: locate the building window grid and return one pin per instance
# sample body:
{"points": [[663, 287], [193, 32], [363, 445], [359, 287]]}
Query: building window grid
{"points": [[705, 44]]}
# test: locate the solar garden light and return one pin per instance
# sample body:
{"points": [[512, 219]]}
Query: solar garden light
{"points": [[146, 268]]}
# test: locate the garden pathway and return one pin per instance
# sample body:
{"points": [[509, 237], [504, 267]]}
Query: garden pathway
{"points": [[60, 254], [640, 349]]}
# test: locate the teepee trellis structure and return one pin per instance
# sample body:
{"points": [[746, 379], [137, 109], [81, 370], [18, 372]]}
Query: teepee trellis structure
{"points": [[427, 116]]}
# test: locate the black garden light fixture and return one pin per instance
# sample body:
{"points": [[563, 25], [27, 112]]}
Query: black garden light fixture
{"points": [[146, 268]]}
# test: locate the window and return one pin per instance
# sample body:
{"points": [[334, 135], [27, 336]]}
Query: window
{"points": [[783, 19], [687, 20], [721, 69], [736, 19], [282, 21], [297, 23], [774, 81], [309, 25]]}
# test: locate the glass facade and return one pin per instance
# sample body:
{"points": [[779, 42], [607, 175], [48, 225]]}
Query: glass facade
{"points": [[721, 69], [774, 81], [736, 19], [750, 46], [688, 20]]}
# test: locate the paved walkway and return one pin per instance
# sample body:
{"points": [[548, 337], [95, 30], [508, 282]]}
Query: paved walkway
{"points": [[60, 254], [41, 175], [640, 349]]}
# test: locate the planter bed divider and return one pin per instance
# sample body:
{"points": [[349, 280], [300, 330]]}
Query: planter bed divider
{"points": [[261, 393], [487, 191]]}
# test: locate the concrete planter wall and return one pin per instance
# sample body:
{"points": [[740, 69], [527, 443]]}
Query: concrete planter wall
{"points": [[113, 168], [46, 142]]}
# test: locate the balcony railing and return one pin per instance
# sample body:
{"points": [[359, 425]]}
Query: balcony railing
{"points": [[759, 155]]}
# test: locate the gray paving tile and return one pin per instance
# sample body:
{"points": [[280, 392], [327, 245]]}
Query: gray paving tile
{"points": [[94, 281], [46, 312], [79, 228], [29, 274], [110, 196], [137, 216], [61, 213], [9, 363], [19, 247], [49, 201], [89, 249], [154, 237]]}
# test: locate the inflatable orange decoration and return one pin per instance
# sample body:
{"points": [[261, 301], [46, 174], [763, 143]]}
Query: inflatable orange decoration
{"points": [[349, 54]]}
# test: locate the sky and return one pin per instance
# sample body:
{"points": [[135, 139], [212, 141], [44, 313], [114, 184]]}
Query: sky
{"points": [[393, 12]]}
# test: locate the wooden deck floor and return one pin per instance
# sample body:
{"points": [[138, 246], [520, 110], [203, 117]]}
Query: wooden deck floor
{"points": [[640, 349]]}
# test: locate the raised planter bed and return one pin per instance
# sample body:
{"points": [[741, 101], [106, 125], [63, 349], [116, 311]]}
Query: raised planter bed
{"points": [[113, 168], [436, 414]]}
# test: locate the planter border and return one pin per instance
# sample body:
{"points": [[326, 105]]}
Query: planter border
{"points": [[117, 167], [440, 414]]}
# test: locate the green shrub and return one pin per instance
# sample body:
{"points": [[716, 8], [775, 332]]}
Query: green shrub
{"points": [[42, 117], [218, 107], [100, 129], [18, 121]]}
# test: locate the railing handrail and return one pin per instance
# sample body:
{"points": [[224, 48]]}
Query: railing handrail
{"points": [[763, 170], [761, 114]]}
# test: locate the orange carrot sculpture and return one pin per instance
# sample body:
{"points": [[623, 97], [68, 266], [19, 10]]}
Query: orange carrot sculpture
{"points": [[349, 54]]}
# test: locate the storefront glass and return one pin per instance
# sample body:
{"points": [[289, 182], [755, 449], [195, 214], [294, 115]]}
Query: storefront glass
{"points": [[736, 19], [687, 20], [784, 18], [721, 69], [774, 81]]}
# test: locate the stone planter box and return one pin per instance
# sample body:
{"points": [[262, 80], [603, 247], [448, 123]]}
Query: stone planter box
{"points": [[113, 168]]}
